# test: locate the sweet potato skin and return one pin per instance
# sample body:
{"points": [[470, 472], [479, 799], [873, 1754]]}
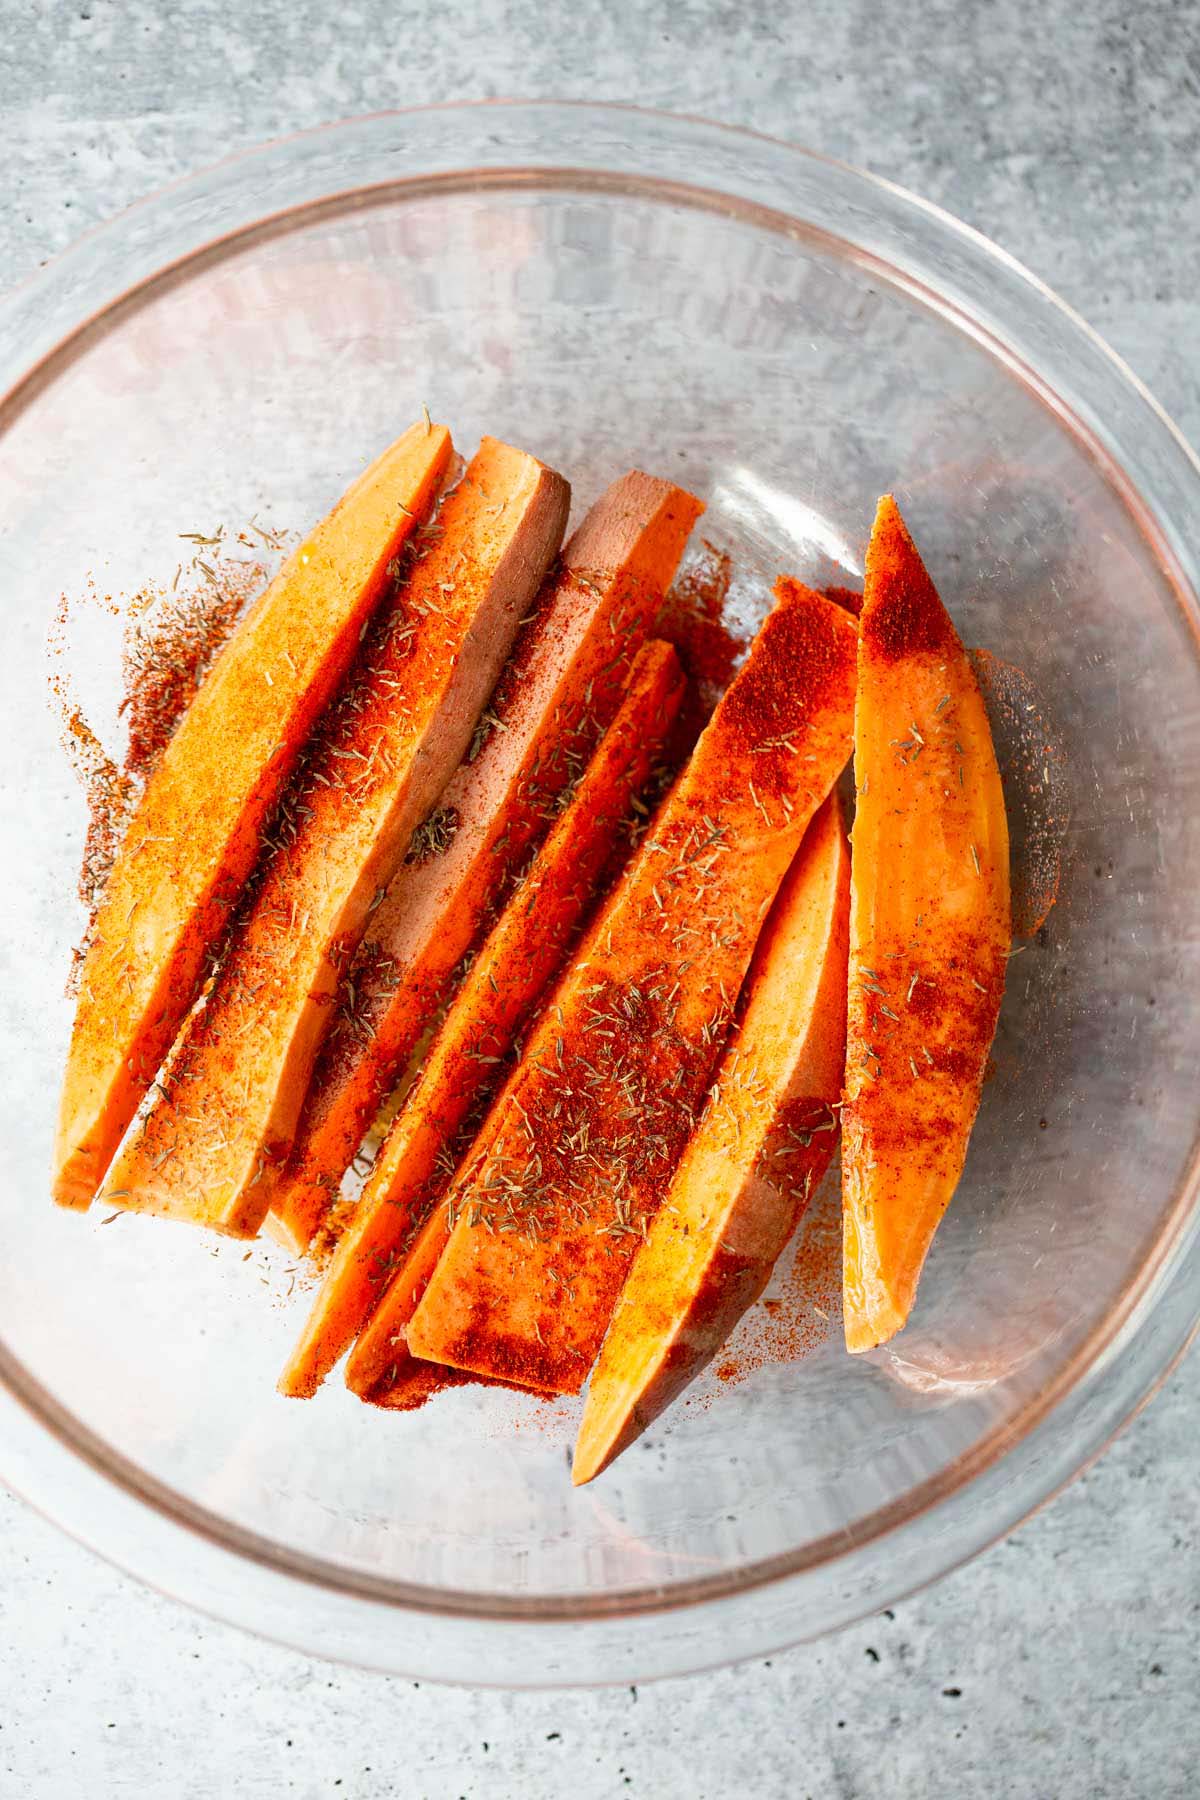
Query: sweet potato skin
{"points": [[763, 1142], [239, 1076], [930, 930], [195, 834], [596, 1116], [519, 956], [561, 687]]}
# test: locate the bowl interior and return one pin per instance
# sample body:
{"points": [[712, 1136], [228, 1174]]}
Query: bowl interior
{"points": [[789, 379]]}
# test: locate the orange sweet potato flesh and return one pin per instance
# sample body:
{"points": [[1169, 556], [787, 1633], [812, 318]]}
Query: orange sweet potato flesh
{"points": [[763, 1142], [930, 931], [237, 1077], [593, 1121], [558, 691], [195, 835], [518, 958], [381, 1368], [381, 1362]]}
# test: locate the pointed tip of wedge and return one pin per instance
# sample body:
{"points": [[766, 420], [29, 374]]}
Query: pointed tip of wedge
{"points": [[889, 530], [594, 1450], [78, 1171], [435, 437], [301, 1375], [584, 1468], [615, 1414], [902, 612], [873, 1317], [292, 1388], [72, 1190], [864, 1334]]}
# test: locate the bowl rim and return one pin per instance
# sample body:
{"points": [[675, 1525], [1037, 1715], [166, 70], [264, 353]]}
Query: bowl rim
{"points": [[1161, 1273]]}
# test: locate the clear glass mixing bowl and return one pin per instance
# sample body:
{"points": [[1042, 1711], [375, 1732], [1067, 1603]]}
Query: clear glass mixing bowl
{"points": [[789, 337]]}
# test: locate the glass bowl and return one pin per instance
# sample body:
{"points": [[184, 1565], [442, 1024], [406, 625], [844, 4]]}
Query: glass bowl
{"points": [[790, 338]]}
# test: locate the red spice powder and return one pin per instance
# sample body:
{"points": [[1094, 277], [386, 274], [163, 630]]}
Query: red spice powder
{"points": [[692, 618], [171, 640], [903, 615], [110, 795], [416, 1383], [811, 660], [849, 599], [421, 1382], [803, 1307], [167, 653]]}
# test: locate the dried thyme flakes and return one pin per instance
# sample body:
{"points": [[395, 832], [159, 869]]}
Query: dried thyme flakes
{"points": [[433, 836]]}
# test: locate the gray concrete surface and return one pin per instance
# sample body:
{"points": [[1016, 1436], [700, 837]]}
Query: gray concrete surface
{"points": [[1064, 1663]]}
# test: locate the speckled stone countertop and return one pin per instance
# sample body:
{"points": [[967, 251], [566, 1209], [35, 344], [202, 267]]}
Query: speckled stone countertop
{"points": [[1063, 1664]]}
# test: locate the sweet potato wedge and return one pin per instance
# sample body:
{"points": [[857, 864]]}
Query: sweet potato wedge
{"points": [[238, 1078], [381, 1362], [518, 958], [763, 1142], [929, 931], [558, 691], [594, 1120], [195, 834]]}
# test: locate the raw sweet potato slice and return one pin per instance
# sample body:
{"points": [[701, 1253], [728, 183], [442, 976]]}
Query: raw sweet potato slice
{"points": [[380, 1361], [557, 693], [195, 834], [595, 1118], [237, 1078], [516, 961], [929, 931], [763, 1142]]}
